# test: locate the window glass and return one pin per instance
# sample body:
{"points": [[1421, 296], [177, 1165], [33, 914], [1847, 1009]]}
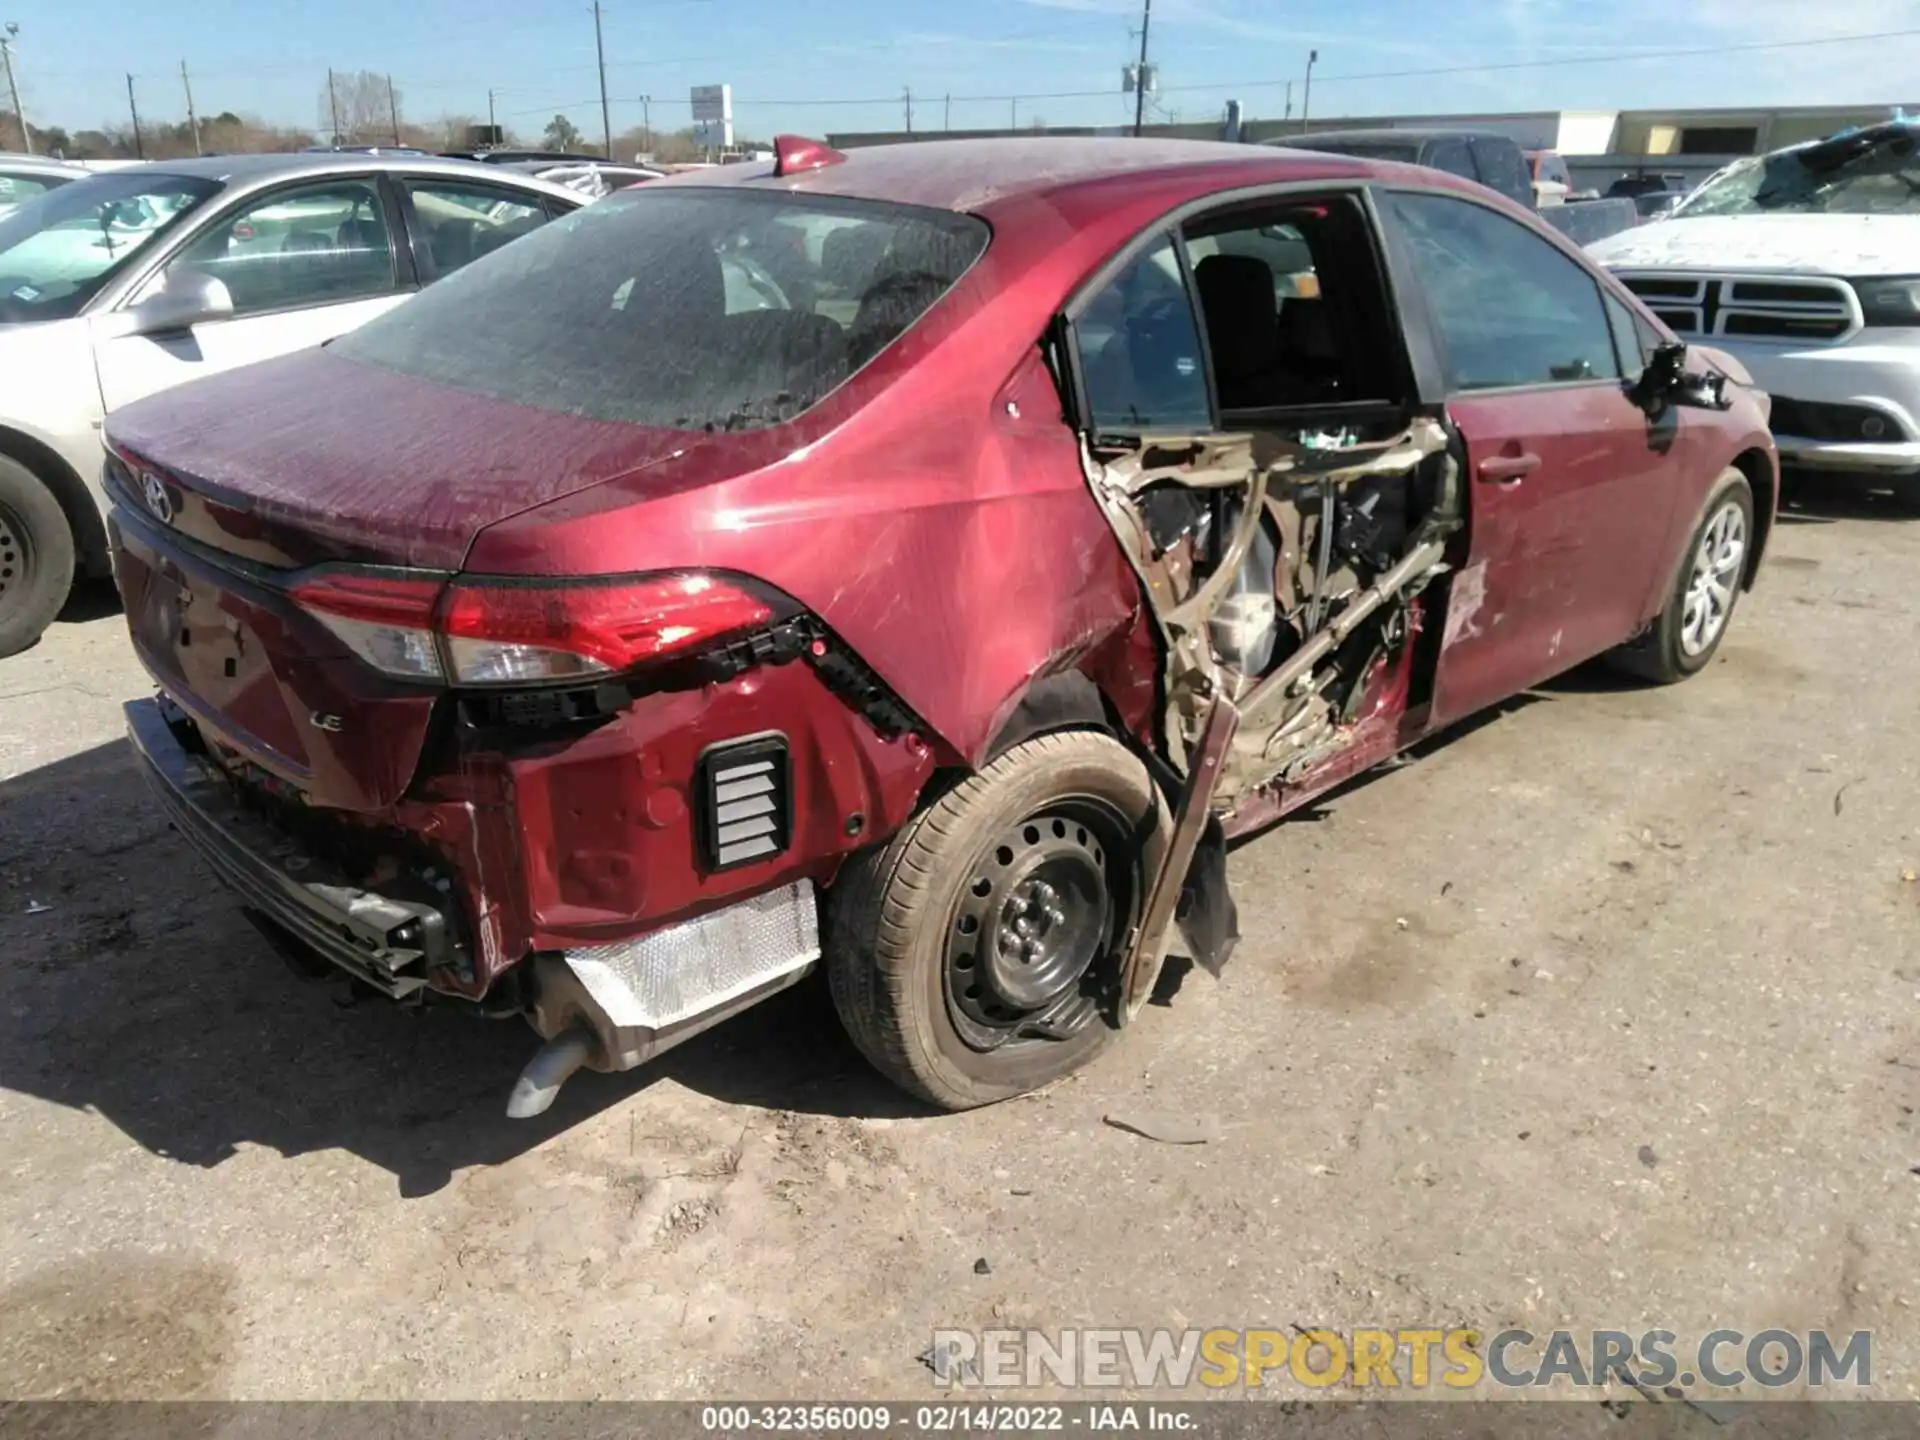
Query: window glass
{"points": [[1868, 172], [1268, 332], [316, 245], [1630, 334], [1140, 350], [1294, 309], [15, 188], [689, 309], [1450, 154], [1502, 167], [1510, 307], [459, 221], [60, 249]]}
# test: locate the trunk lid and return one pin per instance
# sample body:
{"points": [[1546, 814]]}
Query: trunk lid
{"points": [[237, 483], [270, 687], [314, 457]]}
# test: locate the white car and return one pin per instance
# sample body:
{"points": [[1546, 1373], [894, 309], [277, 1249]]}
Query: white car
{"points": [[127, 282], [1805, 265], [593, 179], [24, 176]]}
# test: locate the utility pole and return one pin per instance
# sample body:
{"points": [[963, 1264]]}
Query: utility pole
{"points": [[492, 128], [333, 108], [193, 120], [946, 116], [1013, 113], [907, 95], [1306, 99], [1289, 114], [606, 116], [393, 110], [1140, 80], [646, 123], [6, 53], [139, 145]]}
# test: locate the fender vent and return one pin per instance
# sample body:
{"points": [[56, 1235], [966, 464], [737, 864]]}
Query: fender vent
{"points": [[745, 802]]}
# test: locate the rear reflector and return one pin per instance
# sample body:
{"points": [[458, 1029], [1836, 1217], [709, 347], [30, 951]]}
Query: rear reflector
{"points": [[744, 802], [506, 632]]}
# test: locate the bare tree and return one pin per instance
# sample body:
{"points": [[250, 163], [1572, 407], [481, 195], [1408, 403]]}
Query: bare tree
{"points": [[358, 110]]}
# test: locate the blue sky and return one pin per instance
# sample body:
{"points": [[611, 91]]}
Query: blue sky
{"points": [[269, 57]]}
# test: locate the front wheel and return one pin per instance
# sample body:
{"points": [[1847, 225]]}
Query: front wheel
{"points": [[976, 955], [36, 557], [1694, 621]]}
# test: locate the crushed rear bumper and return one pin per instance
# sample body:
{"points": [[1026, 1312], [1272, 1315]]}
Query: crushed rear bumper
{"points": [[388, 942]]}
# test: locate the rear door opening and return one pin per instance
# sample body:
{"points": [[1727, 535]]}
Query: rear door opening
{"points": [[1255, 438]]}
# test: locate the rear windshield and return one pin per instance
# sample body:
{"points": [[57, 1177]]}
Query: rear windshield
{"points": [[688, 309]]}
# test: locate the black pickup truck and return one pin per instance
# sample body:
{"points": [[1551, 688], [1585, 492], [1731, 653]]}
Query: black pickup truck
{"points": [[1494, 160]]}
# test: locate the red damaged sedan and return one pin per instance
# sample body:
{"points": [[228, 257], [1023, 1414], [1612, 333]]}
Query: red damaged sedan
{"points": [[917, 562]]}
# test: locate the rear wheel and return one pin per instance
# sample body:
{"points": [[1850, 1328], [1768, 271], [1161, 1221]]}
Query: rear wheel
{"points": [[976, 955], [1689, 630], [36, 557]]}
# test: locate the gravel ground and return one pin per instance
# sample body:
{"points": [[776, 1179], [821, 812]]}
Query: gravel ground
{"points": [[1600, 1013]]}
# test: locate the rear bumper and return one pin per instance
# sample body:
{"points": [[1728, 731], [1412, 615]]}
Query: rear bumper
{"points": [[390, 943], [635, 997]]}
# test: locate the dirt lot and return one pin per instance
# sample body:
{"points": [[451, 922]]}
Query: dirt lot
{"points": [[1600, 1013]]}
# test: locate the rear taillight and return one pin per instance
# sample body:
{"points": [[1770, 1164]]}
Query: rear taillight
{"points": [[387, 620], [515, 632]]}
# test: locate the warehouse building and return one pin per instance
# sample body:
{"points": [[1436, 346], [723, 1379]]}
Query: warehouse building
{"points": [[1600, 145]]}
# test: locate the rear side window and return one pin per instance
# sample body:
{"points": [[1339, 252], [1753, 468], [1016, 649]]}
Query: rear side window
{"points": [[689, 310], [1140, 350], [1450, 154], [459, 221], [1502, 167]]}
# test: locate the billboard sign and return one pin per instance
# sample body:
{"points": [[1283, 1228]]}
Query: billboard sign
{"points": [[712, 115]]}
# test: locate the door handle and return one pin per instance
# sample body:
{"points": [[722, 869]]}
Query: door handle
{"points": [[1508, 469]]}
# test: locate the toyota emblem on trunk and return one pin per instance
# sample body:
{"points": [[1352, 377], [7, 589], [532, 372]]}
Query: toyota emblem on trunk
{"points": [[158, 501]]}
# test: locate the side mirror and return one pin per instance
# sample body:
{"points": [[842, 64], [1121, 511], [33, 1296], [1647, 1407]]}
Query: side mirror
{"points": [[1666, 382], [1661, 378], [188, 299]]}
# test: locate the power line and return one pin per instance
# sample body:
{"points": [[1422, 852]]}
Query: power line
{"points": [[1264, 83]]}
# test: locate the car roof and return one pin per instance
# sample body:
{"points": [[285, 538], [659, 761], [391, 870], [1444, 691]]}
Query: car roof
{"points": [[18, 162], [251, 170], [980, 175]]}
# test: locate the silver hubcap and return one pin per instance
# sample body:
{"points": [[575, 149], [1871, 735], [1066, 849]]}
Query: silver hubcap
{"points": [[1715, 575]]}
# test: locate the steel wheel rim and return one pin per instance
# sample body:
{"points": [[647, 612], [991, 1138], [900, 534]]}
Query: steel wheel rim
{"points": [[1036, 919], [16, 558], [1714, 579]]}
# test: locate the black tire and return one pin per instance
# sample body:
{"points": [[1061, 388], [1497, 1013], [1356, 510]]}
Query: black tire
{"points": [[1906, 492], [1667, 653], [1073, 810], [36, 557]]}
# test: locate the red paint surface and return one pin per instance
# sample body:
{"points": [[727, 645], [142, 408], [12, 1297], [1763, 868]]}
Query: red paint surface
{"points": [[932, 512]]}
